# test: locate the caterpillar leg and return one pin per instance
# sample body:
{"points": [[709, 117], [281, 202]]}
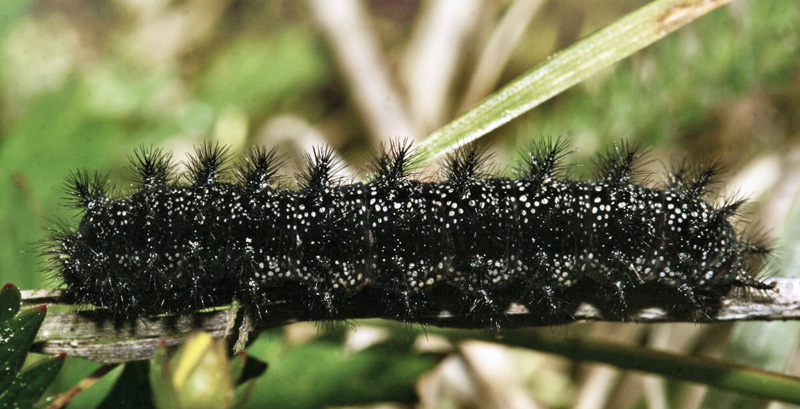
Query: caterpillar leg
{"points": [[621, 308], [486, 310], [548, 303], [405, 304], [322, 302], [694, 303]]}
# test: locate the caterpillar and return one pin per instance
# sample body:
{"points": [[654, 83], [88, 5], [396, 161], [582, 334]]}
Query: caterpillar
{"points": [[177, 244]]}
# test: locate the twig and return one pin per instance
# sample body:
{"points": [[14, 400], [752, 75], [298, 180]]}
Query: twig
{"points": [[80, 334]]}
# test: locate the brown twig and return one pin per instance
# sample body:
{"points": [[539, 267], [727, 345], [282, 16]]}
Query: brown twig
{"points": [[84, 335]]}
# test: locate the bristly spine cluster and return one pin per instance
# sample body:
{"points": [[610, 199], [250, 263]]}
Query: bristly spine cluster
{"points": [[470, 242]]}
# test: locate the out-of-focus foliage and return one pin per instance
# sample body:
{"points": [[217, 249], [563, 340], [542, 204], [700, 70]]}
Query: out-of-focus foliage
{"points": [[718, 84], [200, 375], [82, 83], [322, 372]]}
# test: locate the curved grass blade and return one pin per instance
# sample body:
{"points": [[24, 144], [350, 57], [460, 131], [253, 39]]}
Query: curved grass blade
{"points": [[737, 378], [565, 69]]}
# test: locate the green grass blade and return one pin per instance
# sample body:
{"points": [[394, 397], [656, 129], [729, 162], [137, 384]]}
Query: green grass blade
{"points": [[736, 378], [565, 69]]}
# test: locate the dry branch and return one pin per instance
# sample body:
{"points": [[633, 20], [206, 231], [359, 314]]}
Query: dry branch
{"points": [[80, 334]]}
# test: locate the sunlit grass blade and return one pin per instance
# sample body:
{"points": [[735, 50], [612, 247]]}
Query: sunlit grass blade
{"points": [[565, 69]]}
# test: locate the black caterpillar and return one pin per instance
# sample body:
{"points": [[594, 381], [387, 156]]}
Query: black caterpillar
{"points": [[538, 239]]}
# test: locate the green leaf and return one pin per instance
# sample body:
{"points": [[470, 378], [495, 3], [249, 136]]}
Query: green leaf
{"points": [[16, 337], [10, 300], [31, 383]]}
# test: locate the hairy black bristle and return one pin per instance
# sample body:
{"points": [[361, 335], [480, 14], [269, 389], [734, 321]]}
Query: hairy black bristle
{"points": [[694, 181], [544, 160], [50, 247], [393, 165], [754, 241], [466, 165], [725, 216], [730, 209], [259, 169], [677, 173], [319, 170], [206, 165], [619, 163], [85, 190], [703, 179], [152, 166]]}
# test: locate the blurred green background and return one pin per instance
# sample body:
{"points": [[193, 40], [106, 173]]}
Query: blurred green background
{"points": [[84, 82]]}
